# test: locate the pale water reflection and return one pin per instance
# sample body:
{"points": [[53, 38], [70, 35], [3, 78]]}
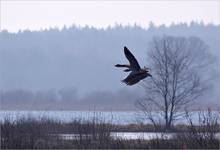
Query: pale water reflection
{"points": [[129, 135]]}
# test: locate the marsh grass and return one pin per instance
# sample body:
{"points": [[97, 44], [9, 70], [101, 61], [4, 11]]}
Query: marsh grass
{"points": [[43, 133]]}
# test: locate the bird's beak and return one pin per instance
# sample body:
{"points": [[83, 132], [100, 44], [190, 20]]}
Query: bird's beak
{"points": [[150, 75]]}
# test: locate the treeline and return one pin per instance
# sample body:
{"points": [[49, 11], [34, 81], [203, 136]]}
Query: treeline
{"points": [[84, 58], [67, 99]]}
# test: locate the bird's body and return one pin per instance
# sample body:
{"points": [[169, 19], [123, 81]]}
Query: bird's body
{"points": [[134, 78], [137, 73]]}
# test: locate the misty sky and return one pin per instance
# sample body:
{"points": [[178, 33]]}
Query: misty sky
{"points": [[37, 15]]}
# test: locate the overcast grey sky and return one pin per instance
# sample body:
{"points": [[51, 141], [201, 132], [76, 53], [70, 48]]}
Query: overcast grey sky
{"points": [[35, 15]]}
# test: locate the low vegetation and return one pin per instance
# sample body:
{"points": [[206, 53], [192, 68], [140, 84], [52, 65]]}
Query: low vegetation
{"points": [[46, 133]]}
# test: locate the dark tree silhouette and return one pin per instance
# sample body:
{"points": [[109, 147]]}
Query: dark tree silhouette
{"points": [[178, 65]]}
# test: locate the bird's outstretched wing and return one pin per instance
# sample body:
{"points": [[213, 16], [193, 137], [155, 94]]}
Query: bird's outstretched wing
{"points": [[133, 62]]}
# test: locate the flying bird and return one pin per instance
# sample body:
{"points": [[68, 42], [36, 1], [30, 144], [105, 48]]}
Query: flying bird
{"points": [[137, 73]]}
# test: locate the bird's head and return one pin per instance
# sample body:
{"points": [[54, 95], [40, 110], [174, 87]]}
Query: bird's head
{"points": [[147, 70]]}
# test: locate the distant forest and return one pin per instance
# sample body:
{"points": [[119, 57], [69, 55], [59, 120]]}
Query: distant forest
{"points": [[73, 68]]}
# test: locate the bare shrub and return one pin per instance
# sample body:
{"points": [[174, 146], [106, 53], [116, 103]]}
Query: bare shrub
{"points": [[203, 133]]}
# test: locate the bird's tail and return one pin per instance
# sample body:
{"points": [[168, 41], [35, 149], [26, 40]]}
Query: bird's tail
{"points": [[119, 65]]}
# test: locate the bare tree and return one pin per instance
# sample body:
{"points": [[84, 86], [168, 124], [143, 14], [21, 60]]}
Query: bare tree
{"points": [[178, 65]]}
